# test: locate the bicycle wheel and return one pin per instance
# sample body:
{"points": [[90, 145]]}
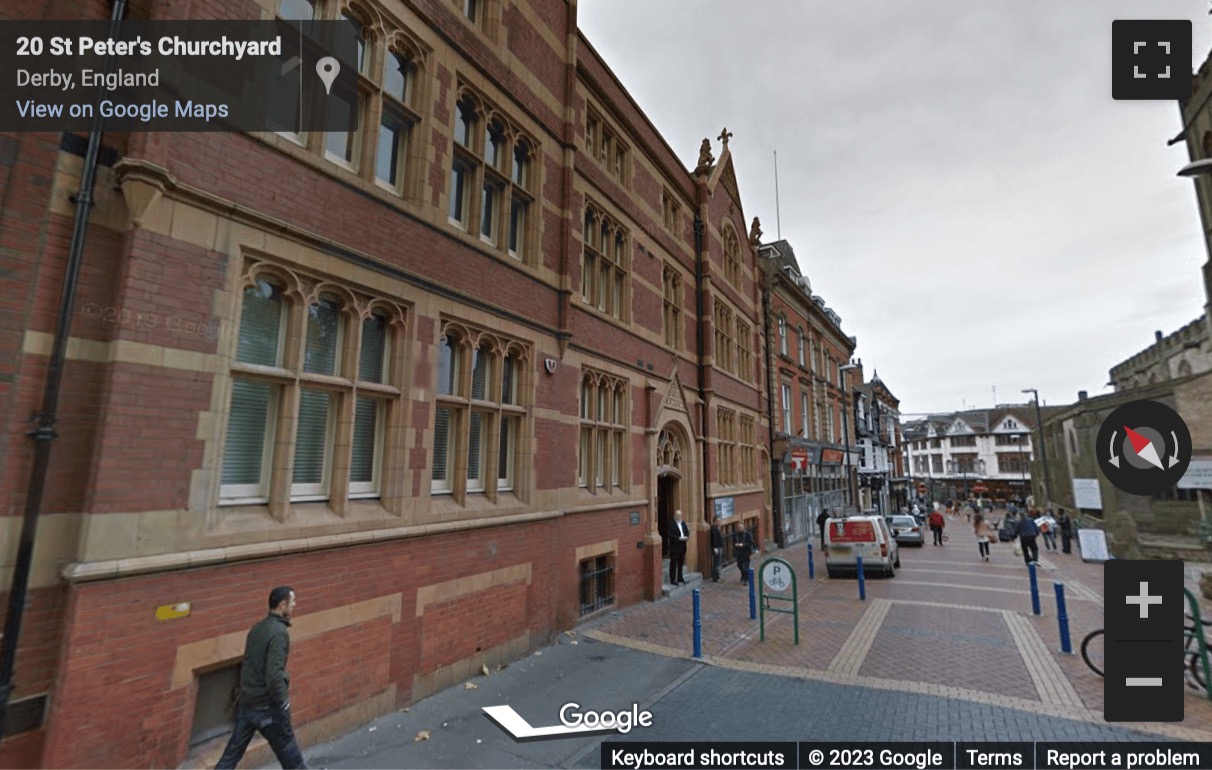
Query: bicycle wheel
{"points": [[1092, 651], [1195, 672]]}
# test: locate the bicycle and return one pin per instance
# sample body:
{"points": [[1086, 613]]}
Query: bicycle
{"points": [[1092, 653]]}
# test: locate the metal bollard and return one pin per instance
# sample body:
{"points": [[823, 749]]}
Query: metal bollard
{"points": [[698, 625], [752, 597], [1062, 618], [862, 583], [1034, 591], [811, 571]]}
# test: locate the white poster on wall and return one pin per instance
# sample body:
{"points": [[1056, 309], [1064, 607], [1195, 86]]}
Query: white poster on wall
{"points": [[1198, 475], [1087, 495], [1092, 545]]}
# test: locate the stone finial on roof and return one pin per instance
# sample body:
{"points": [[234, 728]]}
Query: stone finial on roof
{"points": [[755, 232], [706, 160]]}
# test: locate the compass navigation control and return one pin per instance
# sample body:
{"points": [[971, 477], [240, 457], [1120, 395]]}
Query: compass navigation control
{"points": [[1143, 447]]}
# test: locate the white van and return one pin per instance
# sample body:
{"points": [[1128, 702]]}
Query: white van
{"points": [[868, 536]]}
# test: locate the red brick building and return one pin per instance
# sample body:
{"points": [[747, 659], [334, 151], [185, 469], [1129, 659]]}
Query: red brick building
{"points": [[812, 395], [447, 376]]}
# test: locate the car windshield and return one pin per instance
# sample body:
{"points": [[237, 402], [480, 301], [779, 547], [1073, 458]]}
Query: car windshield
{"points": [[907, 521]]}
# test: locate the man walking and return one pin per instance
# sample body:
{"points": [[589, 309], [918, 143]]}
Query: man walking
{"points": [[265, 688], [1066, 529], [1027, 532], [677, 549], [937, 522]]}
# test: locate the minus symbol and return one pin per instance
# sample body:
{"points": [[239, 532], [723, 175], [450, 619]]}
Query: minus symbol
{"points": [[1143, 681]]}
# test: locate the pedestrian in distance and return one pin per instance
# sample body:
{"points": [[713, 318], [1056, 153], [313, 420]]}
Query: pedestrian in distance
{"points": [[717, 549], [1027, 532], [1065, 525], [1047, 528], [264, 701], [983, 537], [821, 520], [937, 523], [744, 547], [677, 549]]}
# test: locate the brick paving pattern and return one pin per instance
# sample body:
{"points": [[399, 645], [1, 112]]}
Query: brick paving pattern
{"points": [[949, 624]]}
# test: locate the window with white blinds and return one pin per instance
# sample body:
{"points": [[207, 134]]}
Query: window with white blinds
{"points": [[602, 451], [293, 395], [479, 414]]}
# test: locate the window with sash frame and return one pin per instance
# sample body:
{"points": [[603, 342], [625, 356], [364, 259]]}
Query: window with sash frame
{"points": [[480, 413], [602, 454], [605, 265], [312, 392]]}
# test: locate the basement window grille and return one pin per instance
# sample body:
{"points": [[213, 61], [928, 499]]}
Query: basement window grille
{"points": [[25, 715], [597, 584]]}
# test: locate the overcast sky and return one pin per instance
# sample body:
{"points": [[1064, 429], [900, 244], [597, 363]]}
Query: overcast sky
{"points": [[954, 176]]}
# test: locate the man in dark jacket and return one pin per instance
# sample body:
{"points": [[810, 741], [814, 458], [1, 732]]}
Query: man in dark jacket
{"points": [[717, 549], [265, 688], [1065, 523], [821, 521], [1028, 530], [743, 547]]}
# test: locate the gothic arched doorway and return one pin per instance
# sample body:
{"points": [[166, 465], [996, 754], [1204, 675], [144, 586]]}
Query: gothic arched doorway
{"points": [[669, 462]]}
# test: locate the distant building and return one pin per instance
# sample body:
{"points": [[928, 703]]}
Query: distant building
{"points": [[974, 453], [881, 463], [812, 431], [1175, 370]]}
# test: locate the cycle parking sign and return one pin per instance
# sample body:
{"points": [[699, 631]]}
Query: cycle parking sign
{"points": [[777, 577]]}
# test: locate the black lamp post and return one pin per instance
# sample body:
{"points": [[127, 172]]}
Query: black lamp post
{"points": [[1043, 447], [850, 495]]}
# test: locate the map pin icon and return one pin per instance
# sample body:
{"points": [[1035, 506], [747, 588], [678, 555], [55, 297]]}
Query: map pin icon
{"points": [[328, 68]]}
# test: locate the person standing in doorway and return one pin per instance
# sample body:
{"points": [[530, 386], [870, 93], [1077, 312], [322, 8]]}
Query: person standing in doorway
{"points": [[1065, 525], [821, 520], [677, 549], [265, 688], [743, 546], [717, 549]]}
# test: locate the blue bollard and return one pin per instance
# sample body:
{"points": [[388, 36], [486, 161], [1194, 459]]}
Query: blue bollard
{"points": [[862, 583], [752, 597], [1034, 591], [698, 625], [811, 571], [1062, 618]]}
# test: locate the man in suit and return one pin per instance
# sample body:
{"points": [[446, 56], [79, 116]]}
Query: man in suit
{"points": [[679, 534]]}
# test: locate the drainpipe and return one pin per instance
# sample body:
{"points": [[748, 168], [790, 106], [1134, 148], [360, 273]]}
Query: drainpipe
{"points": [[776, 488], [699, 327], [44, 431]]}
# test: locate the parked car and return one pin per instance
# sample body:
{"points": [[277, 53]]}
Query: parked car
{"points": [[848, 538], [906, 530]]}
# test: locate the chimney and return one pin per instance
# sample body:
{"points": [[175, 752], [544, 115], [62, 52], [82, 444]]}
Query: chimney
{"points": [[1082, 395], [1158, 336]]}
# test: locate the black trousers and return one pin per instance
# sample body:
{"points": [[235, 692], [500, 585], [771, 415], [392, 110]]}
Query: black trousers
{"points": [[677, 564], [938, 536], [1066, 541], [717, 554], [274, 724], [1030, 549], [983, 546], [742, 563]]}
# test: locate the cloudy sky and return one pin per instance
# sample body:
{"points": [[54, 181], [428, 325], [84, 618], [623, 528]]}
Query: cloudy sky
{"points": [[954, 176]]}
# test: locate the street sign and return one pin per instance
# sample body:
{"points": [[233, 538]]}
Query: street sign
{"points": [[778, 576], [799, 458]]}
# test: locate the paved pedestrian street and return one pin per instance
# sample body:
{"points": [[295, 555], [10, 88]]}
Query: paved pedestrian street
{"points": [[947, 650]]}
